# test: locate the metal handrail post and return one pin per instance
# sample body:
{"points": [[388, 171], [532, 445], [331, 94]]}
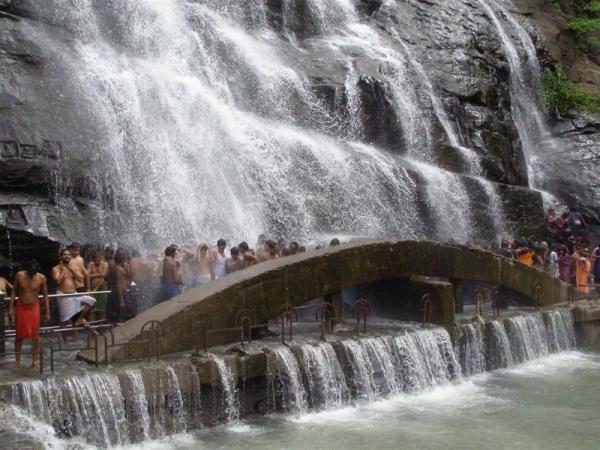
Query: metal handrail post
{"points": [[2, 328]]}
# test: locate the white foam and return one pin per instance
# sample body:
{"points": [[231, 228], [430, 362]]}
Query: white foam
{"points": [[558, 362]]}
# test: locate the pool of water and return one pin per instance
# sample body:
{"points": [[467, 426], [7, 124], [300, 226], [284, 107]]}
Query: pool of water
{"points": [[549, 403]]}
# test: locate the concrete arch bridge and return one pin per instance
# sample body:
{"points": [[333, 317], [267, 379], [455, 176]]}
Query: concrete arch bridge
{"points": [[399, 274]]}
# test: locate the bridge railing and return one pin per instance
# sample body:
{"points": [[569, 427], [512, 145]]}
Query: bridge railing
{"points": [[151, 342]]}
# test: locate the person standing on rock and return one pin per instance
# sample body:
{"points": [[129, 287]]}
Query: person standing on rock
{"points": [[596, 263], [116, 308], [218, 260], [248, 257], [29, 285], [583, 266], [234, 263], [564, 264], [171, 276], [98, 273], [67, 276], [203, 267], [552, 266], [271, 251], [577, 223], [77, 260]]}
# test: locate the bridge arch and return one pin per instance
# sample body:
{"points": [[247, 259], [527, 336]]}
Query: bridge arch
{"points": [[264, 288]]}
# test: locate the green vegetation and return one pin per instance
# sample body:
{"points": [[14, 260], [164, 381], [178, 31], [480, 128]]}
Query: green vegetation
{"points": [[559, 94], [586, 30], [586, 22]]}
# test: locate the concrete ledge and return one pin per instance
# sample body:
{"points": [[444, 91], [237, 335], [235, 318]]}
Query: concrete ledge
{"points": [[264, 288]]}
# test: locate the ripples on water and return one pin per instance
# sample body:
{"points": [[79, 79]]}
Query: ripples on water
{"points": [[497, 410]]}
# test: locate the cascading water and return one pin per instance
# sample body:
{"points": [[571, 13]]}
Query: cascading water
{"points": [[231, 402], [499, 354], [324, 376], [528, 337], [209, 98], [449, 202], [139, 406], [109, 409], [472, 349], [560, 328], [288, 393], [94, 403], [525, 81]]}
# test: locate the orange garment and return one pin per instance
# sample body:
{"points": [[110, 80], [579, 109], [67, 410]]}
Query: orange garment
{"points": [[27, 320], [527, 258], [582, 272]]}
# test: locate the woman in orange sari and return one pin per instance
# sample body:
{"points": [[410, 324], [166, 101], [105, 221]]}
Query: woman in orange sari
{"points": [[583, 267]]}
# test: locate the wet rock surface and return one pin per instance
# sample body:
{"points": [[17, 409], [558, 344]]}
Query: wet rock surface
{"points": [[49, 136]]}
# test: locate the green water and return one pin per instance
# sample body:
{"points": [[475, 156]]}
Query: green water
{"points": [[551, 403]]}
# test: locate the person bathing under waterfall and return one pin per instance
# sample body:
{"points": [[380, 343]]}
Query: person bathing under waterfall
{"points": [[73, 309], [218, 260], [203, 267], [29, 285], [171, 276]]}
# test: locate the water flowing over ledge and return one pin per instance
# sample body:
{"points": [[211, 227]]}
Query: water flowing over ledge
{"points": [[291, 118], [133, 405]]}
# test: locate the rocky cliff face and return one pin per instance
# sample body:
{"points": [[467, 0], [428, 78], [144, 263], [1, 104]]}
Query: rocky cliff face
{"points": [[571, 168], [89, 128]]}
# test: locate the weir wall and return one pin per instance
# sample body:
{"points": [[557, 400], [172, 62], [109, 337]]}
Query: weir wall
{"points": [[261, 291]]}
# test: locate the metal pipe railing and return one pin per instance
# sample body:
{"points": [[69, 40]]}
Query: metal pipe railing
{"points": [[74, 294]]}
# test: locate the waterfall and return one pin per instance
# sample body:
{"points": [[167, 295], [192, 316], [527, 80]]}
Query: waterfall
{"points": [[91, 406], [561, 332], [426, 359], [325, 379], [362, 372], [285, 379], [499, 354], [231, 403], [472, 349], [215, 98], [495, 207], [133, 405], [524, 85], [139, 403], [528, 337], [468, 155], [449, 202]]}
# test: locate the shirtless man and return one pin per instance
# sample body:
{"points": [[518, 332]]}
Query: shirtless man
{"points": [[203, 269], [218, 260], [272, 252], [4, 287], [294, 247], [234, 263], [98, 272], [116, 308], [29, 284], [67, 276], [248, 258], [171, 276], [77, 260]]}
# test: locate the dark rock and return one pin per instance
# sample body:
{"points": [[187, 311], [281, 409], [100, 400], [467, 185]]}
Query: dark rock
{"points": [[524, 210], [572, 170], [19, 441], [381, 125], [50, 168]]}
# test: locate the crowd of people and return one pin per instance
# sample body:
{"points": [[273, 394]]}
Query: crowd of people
{"points": [[567, 253], [111, 283], [100, 283]]}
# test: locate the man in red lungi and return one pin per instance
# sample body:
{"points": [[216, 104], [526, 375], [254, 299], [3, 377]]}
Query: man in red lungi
{"points": [[29, 285]]}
